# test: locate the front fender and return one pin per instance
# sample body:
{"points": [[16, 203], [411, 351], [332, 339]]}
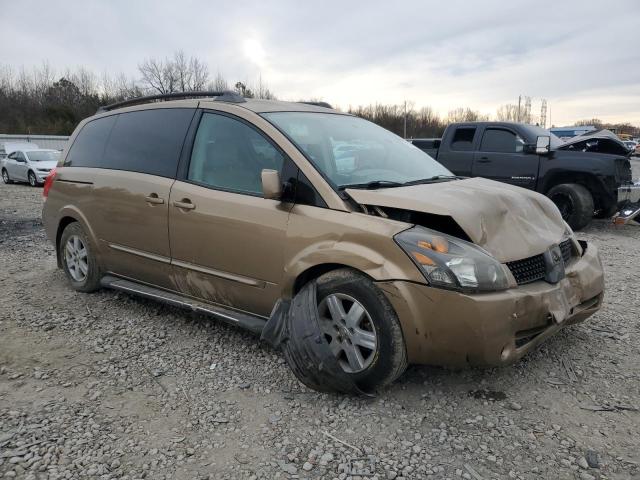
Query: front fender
{"points": [[317, 237]]}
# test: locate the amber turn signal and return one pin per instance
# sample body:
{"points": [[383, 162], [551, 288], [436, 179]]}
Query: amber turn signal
{"points": [[423, 259], [438, 244]]}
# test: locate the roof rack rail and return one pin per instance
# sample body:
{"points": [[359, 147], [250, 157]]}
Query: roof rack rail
{"points": [[221, 96], [318, 104]]}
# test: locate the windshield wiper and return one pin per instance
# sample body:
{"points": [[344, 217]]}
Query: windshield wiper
{"points": [[435, 178], [373, 185]]}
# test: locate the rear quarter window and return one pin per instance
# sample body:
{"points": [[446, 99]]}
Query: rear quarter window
{"points": [[145, 141], [463, 138], [148, 141], [88, 148]]}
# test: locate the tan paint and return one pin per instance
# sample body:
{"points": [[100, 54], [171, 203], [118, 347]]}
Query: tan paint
{"points": [[443, 327], [242, 235], [509, 222], [245, 251]]}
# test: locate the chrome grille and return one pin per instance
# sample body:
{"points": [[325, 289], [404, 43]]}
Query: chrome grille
{"points": [[534, 268], [528, 270]]}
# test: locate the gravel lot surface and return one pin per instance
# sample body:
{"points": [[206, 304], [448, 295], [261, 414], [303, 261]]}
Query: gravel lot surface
{"points": [[111, 386]]}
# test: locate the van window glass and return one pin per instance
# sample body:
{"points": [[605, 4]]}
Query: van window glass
{"points": [[230, 155], [463, 138], [148, 141], [88, 148], [499, 140]]}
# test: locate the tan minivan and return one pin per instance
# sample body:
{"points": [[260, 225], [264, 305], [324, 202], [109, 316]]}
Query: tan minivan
{"points": [[335, 239]]}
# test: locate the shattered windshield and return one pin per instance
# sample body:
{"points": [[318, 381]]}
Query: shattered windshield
{"points": [[352, 152]]}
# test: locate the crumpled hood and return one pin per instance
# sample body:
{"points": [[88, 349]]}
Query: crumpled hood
{"points": [[509, 222]]}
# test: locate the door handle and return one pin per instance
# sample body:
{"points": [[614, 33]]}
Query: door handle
{"points": [[185, 204], [154, 199], [484, 160]]}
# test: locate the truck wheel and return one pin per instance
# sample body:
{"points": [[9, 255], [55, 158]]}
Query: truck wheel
{"points": [[79, 260], [361, 327], [575, 203]]}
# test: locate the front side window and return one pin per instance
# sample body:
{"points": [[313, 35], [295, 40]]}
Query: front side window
{"points": [[20, 157], [351, 151], [230, 155], [502, 141]]}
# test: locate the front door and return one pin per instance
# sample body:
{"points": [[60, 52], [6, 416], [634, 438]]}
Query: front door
{"points": [[17, 166], [227, 241], [502, 157]]}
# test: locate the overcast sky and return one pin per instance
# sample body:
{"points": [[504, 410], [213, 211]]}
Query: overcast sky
{"points": [[582, 56]]}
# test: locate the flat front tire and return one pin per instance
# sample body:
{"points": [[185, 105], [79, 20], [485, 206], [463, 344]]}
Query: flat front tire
{"points": [[78, 259], [575, 203], [361, 328]]}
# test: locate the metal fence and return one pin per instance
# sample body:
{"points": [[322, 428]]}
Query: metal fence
{"points": [[56, 142]]}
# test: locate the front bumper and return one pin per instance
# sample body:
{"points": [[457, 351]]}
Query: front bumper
{"points": [[448, 328], [41, 176], [628, 194]]}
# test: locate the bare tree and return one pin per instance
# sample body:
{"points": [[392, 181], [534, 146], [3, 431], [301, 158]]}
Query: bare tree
{"points": [[507, 113], [158, 75], [465, 115], [177, 74], [219, 84]]}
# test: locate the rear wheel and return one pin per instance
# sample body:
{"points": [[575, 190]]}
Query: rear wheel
{"points": [[361, 328], [5, 176], [575, 203], [78, 259], [33, 181]]}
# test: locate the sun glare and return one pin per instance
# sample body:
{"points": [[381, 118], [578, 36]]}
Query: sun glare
{"points": [[254, 52]]}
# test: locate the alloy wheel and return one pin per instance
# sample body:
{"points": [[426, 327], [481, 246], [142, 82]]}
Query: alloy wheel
{"points": [[348, 329], [5, 176], [32, 179], [564, 204], [76, 258]]}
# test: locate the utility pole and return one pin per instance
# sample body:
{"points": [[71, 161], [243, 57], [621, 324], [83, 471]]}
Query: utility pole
{"points": [[519, 101], [405, 119]]}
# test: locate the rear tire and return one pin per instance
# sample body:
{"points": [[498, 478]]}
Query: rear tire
{"points": [[389, 359], [5, 176], [575, 203], [78, 258]]}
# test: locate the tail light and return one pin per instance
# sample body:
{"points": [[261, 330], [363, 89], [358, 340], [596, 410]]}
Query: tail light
{"points": [[48, 182]]}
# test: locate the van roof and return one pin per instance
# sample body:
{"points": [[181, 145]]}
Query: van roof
{"points": [[195, 99]]}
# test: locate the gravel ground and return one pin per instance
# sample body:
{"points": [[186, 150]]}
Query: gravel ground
{"points": [[111, 386]]}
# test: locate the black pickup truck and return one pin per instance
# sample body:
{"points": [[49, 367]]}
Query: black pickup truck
{"points": [[582, 176]]}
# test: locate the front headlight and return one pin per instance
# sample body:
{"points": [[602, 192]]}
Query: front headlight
{"points": [[448, 262]]}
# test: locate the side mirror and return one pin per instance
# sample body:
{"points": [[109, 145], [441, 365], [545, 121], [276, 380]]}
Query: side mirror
{"points": [[271, 184], [543, 145]]}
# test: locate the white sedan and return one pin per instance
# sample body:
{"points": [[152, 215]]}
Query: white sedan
{"points": [[30, 166]]}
